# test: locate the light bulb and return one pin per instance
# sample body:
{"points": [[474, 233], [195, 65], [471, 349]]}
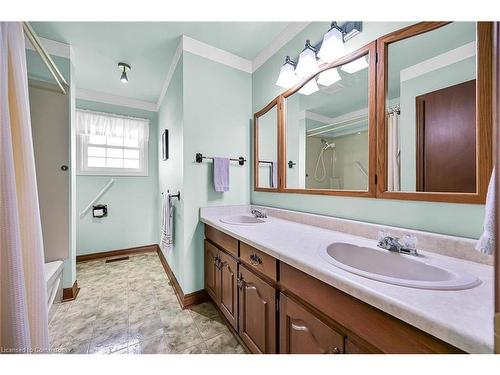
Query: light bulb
{"points": [[329, 77], [124, 77], [307, 64], [333, 45], [356, 65]]}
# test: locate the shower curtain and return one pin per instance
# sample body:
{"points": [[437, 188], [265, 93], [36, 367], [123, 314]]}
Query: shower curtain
{"points": [[393, 152], [23, 309]]}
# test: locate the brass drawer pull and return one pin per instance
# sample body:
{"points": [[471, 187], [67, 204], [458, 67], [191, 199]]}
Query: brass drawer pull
{"points": [[255, 260], [239, 281]]}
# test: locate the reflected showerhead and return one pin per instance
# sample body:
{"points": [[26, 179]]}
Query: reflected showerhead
{"points": [[327, 145]]}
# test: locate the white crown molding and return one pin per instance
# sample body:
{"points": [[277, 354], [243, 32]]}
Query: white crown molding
{"points": [[170, 73], [102, 97], [290, 32], [53, 48], [439, 61], [216, 54]]}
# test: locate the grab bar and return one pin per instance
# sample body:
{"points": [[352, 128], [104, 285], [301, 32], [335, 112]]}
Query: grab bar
{"points": [[103, 190], [360, 167]]}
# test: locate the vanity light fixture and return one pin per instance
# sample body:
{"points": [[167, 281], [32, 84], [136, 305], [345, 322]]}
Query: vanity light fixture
{"points": [[333, 44], [307, 64], [287, 77], [329, 77], [309, 88], [356, 65], [124, 68]]}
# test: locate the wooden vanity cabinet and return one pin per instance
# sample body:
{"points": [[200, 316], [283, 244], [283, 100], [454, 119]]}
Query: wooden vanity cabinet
{"points": [[257, 314], [301, 332], [221, 271], [275, 307]]}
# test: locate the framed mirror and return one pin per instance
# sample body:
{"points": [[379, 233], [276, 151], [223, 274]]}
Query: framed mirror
{"points": [[266, 171], [329, 129], [434, 112]]}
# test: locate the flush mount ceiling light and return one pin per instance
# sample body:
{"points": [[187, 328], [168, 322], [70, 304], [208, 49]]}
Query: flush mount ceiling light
{"points": [[124, 69], [307, 64], [329, 77], [287, 77], [356, 65], [333, 44]]}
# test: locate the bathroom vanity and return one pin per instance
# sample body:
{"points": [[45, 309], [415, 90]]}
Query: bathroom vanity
{"points": [[269, 280]]}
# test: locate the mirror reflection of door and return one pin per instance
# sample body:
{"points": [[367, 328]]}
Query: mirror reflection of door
{"points": [[446, 139], [267, 142], [431, 111]]}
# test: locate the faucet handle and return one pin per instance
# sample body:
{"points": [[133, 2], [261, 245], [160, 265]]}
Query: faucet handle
{"points": [[409, 241], [382, 234]]}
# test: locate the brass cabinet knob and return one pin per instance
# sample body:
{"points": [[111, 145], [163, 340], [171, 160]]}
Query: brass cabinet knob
{"points": [[255, 260], [335, 350]]}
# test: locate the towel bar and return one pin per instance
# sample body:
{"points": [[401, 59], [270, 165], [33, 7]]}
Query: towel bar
{"points": [[170, 196], [199, 158]]}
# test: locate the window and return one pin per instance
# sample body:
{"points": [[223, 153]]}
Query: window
{"points": [[112, 145]]}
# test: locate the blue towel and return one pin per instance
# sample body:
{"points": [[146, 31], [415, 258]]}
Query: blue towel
{"points": [[221, 174]]}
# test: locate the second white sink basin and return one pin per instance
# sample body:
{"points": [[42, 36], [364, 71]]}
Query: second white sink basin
{"points": [[242, 220], [394, 268]]}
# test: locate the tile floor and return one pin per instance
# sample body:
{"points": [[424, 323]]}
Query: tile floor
{"points": [[129, 307]]}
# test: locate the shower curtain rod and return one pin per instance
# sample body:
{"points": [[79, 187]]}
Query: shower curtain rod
{"points": [[44, 55]]}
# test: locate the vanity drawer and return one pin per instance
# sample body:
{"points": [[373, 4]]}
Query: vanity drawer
{"points": [[225, 242], [258, 260]]}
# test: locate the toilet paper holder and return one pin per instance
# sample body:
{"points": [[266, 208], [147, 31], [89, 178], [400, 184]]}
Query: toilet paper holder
{"points": [[99, 210]]}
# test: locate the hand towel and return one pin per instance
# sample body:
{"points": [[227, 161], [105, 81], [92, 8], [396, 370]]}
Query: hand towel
{"points": [[273, 175], [167, 227], [486, 242], [221, 174]]}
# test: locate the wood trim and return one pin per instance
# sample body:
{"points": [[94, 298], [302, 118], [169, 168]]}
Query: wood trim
{"points": [[185, 300], [483, 116], [496, 127], [116, 253], [281, 145], [70, 294], [256, 116]]}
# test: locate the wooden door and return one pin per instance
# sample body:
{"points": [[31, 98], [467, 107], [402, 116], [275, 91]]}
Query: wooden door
{"points": [[446, 139], [228, 288], [49, 111], [257, 312], [211, 271], [303, 333]]}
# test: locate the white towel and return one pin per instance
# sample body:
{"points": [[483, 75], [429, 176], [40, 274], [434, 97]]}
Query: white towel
{"points": [[486, 242], [221, 174], [167, 227]]}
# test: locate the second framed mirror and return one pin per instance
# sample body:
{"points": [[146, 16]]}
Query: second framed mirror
{"points": [[329, 129]]}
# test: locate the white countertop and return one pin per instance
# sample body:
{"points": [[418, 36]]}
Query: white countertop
{"points": [[463, 318]]}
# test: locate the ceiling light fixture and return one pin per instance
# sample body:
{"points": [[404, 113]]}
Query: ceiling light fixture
{"points": [[356, 65], [287, 77], [124, 68], [307, 64], [329, 77]]}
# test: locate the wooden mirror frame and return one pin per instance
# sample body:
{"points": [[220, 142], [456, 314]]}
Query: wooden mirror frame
{"points": [[368, 50], [484, 162], [256, 116]]}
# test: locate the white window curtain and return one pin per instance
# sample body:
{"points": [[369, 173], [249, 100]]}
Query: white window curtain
{"points": [[393, 153], [91, 123], [23, 302]]}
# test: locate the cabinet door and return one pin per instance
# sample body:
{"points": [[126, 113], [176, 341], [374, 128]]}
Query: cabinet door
{"points": [[257, 313], [303, 333], [352, 347], [228, 288], [211, 271]]}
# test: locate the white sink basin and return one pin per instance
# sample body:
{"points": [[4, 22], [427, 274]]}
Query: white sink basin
{"points": [[394, 268], [242, 220]]}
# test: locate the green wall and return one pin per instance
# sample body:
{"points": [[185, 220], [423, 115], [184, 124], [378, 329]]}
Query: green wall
{"points": [[132, 201], [454, 219], [207, 109]]}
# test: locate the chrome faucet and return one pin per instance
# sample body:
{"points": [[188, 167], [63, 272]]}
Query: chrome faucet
{"points": [[259, 213], [393, 244]]}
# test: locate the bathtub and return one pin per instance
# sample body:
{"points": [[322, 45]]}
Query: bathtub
{"points": [[53, 280]]}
